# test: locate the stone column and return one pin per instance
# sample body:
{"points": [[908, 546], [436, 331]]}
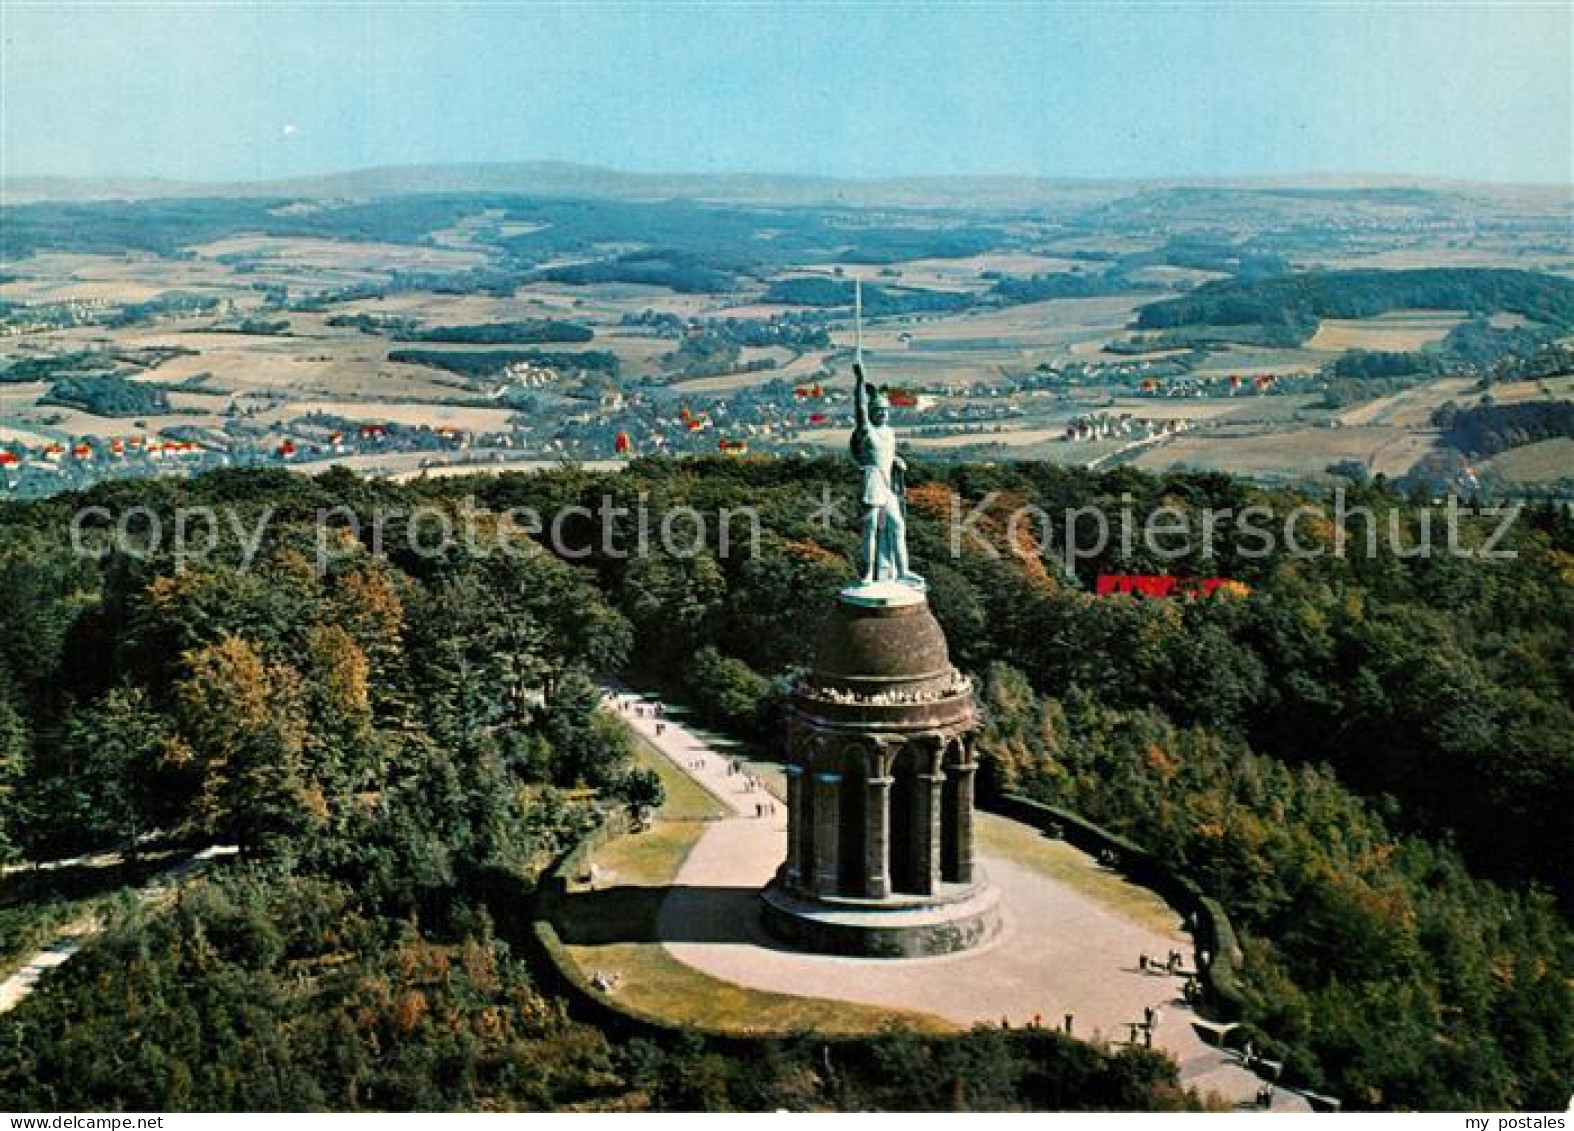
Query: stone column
{"points": [[795, 818], [827, 832], [964, 819], [926, 831], [877, 834]]}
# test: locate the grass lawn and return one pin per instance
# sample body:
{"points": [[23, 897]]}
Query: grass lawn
{"points": [[657, 984], [1055, 859], [687, 800]]}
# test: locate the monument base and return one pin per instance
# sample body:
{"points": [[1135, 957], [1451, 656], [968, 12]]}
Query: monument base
{"points": [[884, 594], [955, 919]]}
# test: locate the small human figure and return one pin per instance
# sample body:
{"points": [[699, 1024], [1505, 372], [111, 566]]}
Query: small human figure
{"points": [[1142, 963], [1068, 1020]]}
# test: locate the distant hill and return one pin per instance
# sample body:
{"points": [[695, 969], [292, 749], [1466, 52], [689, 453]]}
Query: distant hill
{"points": [[554, 178]]}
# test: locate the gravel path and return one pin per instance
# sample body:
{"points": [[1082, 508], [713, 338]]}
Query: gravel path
{"points": [[75, 935]]}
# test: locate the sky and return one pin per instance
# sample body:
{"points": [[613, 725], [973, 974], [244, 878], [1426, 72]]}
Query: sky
{"points": [[262, 90]]}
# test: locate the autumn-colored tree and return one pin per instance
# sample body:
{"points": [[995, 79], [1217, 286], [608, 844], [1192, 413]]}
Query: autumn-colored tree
{"points": [[243, 727]]}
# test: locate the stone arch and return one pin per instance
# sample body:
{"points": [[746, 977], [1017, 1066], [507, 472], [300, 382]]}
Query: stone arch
{"points": [[901, 825], [950, 818], [852, 762], [956, 811], [917, 770]]}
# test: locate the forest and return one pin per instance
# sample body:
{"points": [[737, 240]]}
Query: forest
{"points": [[690, 245], [108, 396], [1367, 755], [1487, 429], [535, 331], [1290, 306], [399, 745], [482, 363]]}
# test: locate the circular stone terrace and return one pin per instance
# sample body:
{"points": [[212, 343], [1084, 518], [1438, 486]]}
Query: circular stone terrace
{"points": [[668, 925]]}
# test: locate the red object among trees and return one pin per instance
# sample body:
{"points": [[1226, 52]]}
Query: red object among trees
{"points": [[622, 444], [1165, 585]]}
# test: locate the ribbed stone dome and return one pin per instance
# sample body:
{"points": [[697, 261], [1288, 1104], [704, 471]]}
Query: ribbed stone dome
{"points": [[881, 647]]}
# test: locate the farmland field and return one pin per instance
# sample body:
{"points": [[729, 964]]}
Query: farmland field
{"points": [[1294, 453], [1408, 331], [270, 334], [1542, 462]]}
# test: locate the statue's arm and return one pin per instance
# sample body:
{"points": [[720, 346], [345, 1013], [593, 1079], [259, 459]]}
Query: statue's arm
{"points": [[860, 396]]}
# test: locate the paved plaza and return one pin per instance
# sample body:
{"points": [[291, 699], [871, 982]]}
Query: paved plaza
{"points": [[1061, 951]]}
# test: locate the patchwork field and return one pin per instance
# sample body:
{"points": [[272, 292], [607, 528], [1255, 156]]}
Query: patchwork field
{"points": [[1287, 454], [1398, 332], [1544, 462], [548, 330]]}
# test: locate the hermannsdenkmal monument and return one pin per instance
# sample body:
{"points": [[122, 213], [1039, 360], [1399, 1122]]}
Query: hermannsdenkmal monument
{"points": [[879, 754]]}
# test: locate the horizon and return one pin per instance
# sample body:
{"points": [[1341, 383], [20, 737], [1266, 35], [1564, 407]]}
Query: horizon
{"points": [[1352, 179], [232, 95]]}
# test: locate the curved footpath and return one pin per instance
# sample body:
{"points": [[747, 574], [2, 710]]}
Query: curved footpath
{"points": [[76, 934], [1060, 952]]}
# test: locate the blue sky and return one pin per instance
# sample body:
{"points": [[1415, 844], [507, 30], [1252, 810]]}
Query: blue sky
{"points": [[263, 90]]}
